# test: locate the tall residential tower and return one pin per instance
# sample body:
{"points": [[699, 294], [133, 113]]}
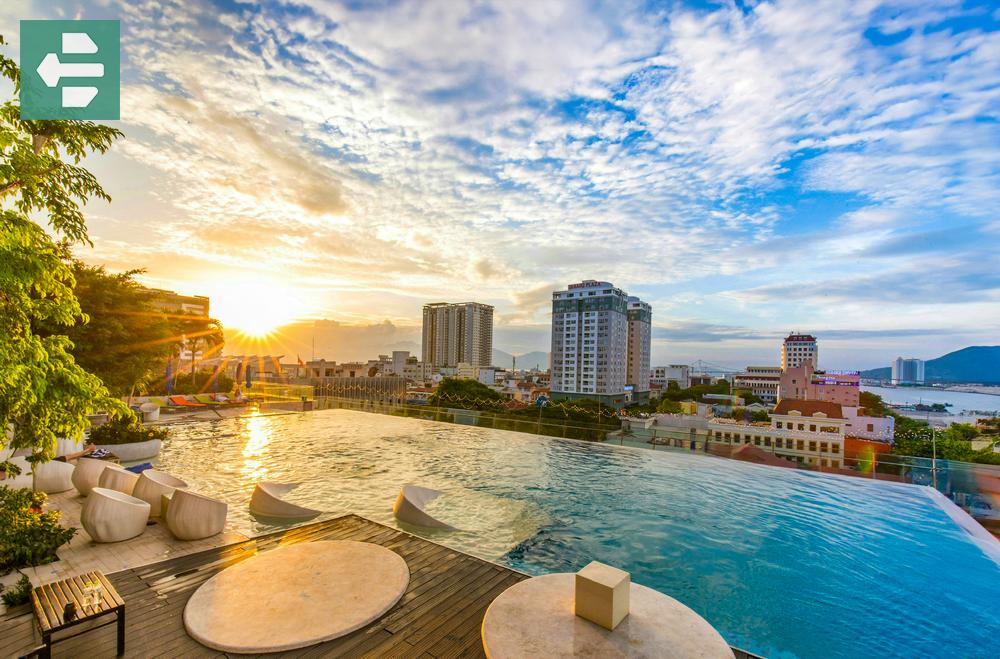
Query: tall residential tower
{"points": [[458, 333], [640, 332], [590, 343]]}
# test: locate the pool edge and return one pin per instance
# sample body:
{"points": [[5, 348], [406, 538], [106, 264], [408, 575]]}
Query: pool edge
{"points": [[985, 540]]}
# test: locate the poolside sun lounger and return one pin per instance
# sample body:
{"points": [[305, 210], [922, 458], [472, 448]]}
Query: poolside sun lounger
{"points": [[184, 402]]}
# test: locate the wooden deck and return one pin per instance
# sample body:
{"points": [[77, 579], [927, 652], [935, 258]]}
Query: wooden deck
{"points": [[439, 615]]}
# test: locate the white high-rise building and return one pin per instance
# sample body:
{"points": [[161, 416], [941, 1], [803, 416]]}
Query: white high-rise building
{"points": [[590, 343], [454, 334], [908, 371], [799, 348], [640, 332]]}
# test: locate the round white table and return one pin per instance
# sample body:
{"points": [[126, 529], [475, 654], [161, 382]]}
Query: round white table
{"points": [[534, 618], [296, 596]]}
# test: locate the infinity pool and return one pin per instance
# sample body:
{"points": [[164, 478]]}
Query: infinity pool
{"points": [[784, 563]]}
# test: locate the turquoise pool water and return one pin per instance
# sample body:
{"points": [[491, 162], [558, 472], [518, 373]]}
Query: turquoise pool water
{"points": [[783, 563]]}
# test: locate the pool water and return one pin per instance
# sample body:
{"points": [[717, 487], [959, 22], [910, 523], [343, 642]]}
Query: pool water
{"points": [[783, 562]]}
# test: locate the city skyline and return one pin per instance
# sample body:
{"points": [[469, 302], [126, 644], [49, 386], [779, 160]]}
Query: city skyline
{"points": [[747, 170]]}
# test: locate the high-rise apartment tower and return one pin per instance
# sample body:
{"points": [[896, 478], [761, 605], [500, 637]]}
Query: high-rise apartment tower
{"points": [[454, 334]]}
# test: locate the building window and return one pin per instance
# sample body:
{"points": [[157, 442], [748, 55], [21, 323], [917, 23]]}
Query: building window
{"points": [[823, 447], [812, 427], [812, 446], [801, 445], [778, 424], [835, 448]]}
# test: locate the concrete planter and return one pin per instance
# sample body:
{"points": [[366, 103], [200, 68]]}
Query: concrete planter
{"points": [[135, 451]]}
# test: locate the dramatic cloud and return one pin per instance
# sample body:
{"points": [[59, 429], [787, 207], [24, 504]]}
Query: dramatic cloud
{"points": [[749, 168]]}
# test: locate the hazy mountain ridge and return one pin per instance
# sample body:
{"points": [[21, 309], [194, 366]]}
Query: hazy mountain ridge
{"points": [[979, 364], [537, 358]]}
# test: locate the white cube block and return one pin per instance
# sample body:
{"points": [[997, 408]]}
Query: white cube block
{"points": [[602, 594]]}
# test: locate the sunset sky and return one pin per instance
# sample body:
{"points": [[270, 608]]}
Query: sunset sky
{"points": [[748, 168]]}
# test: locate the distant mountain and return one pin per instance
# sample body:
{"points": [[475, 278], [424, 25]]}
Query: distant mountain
{"points": [[979, 364], [527, 360]]}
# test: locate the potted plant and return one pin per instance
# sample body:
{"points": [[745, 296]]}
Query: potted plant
{"points": [[28, 536], [127, 438]]}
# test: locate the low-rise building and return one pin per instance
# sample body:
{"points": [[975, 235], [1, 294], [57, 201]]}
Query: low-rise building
{"points": [[761, 381], [482, 374], [177, 303], [860, 425], [805, 431], [417, 371], [804, 382], [664, 375]]}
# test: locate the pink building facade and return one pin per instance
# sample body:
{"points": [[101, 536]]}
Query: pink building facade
{"points": [[804, 382]]}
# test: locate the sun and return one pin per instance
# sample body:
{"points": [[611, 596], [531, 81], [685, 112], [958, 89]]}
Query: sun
{"points": [[255, 308]]}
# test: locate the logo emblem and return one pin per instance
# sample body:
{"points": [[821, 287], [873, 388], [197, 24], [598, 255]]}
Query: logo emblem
{"points": [[70, 70]]}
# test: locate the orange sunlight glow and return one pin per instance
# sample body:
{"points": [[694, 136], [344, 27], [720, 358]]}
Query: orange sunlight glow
{"points": [[256, 309]]}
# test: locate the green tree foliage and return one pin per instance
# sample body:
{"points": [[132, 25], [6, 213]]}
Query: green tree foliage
{"points": [[466, 395], [126, 430], [756, 416], [19, 594], [201, 333], [126, 340], [748, 396], [916, 438], [201, 384], [696, 392], [668, 406], [44, 393]]}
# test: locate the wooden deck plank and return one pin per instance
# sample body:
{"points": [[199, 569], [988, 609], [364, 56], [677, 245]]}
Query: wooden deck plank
{"points": [[441, 579], [439, 615]]}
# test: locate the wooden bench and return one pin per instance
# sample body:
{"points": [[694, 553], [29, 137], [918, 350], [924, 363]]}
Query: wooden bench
{"points": [[49, 602]]}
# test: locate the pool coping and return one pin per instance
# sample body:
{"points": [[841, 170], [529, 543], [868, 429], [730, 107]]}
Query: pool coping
{"points": [[985, 540]]}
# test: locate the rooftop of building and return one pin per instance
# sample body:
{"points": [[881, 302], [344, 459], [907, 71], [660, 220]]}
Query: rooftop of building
{"points": [[809, 408], [800, 337]]}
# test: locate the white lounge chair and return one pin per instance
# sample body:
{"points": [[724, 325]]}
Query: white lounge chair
{"points": [[266, 501], [151, 487], [87, 473], [116, 478], [54, 476], [193, 516], [409, 507], [112, 516]]}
